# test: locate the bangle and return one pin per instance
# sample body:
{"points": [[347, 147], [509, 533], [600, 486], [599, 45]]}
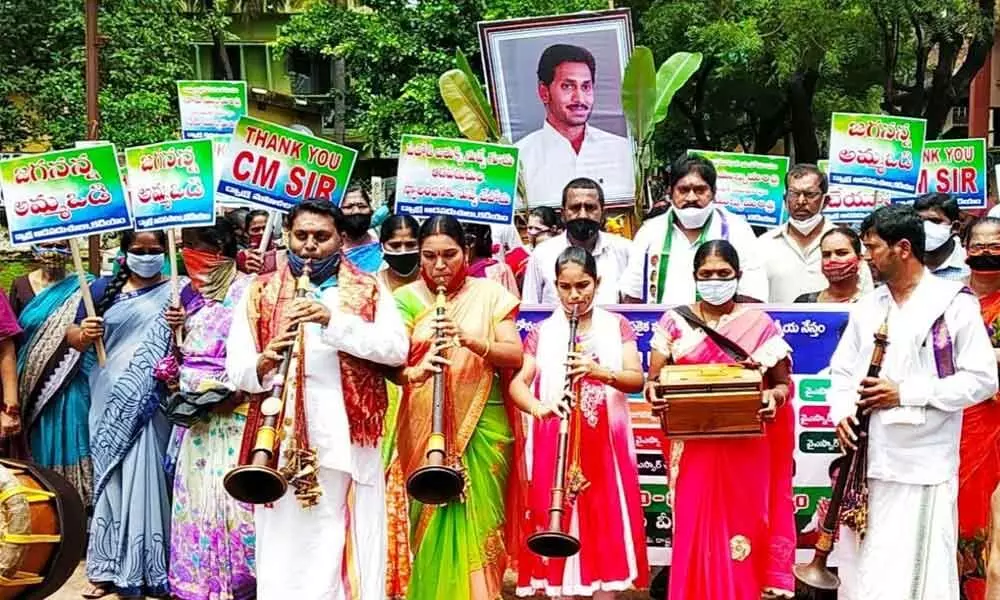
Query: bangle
{"points": [[535, 409], [12, 410], [486, 351]]}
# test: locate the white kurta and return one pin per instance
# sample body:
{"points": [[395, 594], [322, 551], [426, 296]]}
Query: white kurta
{"points": [[610, 254], [909, 550], [679, 287], [301, 552]]}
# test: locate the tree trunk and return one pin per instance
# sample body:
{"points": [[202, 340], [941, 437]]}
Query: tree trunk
{"points": [[221, 68], [801, 90]]}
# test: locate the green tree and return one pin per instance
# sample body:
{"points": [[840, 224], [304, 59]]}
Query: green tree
{"points": [[931, 51], [146, 48], [772, 68], [395, 50]]}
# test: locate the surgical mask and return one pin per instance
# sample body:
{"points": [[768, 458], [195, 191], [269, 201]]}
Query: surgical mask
{"points": [[693, 217], [146, 266], [717, 291], [380, 215], [403, 263], [355, 226], [935, 235], [582, 230], [806, 226]]}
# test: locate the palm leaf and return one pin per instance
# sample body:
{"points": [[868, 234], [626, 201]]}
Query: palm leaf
{"points": [[672, 76], [639, 93], [459, 96], [484, 105]]}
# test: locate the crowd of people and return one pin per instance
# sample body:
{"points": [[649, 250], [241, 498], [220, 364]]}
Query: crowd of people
{"points": [[148, 437]]}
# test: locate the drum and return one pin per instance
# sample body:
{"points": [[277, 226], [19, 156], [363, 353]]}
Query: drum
{"points": [[43, 530]]}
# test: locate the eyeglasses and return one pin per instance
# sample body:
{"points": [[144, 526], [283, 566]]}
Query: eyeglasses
{"points": [[984, 248], [698, 190], [537, 230], [808, 195]]}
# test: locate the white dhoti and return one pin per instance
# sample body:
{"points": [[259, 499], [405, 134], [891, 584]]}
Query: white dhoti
{"points": [[335, 550], [909, 550]]}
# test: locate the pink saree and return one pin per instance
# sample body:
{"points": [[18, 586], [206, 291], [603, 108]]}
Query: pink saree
{"points": [[734, 528]]}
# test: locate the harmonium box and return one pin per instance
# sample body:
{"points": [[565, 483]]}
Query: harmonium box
{"points": [[710, 401]]}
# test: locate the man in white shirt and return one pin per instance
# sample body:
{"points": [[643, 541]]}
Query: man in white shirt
{"points": [[583, 214], [945, 254], [661, 257], [567, 147], [939, 361], [791, 251], [349, 326]]}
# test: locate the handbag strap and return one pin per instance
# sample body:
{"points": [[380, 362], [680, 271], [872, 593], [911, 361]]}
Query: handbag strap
{"points": [[728, 346]]}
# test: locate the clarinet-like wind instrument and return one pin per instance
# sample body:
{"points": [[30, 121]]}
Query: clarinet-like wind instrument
{"points": [[259, 481], [555, 542], [814, 578], [436, 482]]}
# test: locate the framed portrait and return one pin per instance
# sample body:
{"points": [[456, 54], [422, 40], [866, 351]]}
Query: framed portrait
{"points": [[555, 87]]}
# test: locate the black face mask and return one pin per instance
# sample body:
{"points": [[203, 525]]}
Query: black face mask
{"points": [[404, 263], [582, 230], [356, 226], [989, 263]]}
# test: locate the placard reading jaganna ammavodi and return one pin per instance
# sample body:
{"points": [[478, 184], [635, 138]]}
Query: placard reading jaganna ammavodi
{"points": [[172, 184], [876, 151], [475, 182], [64, 194]]}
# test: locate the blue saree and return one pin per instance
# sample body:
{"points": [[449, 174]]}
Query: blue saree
{"points": [[129, 532], [53, 386]]}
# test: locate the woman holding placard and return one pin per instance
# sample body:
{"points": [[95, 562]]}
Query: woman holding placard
{"points": [[129, 531], [52, 376]]}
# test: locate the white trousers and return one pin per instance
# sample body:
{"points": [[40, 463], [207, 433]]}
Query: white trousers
{"points": [[909, 550], [301, 552]]}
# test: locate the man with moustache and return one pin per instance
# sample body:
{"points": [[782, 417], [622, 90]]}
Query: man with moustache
{"points": [[567, 146], [938, 363], [792, 254], [661, 257], [583, 214], [349, 332], [361, 247]]}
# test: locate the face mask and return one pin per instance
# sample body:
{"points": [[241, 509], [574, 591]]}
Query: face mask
{"points": [[984, 263], [356, 226], [146, 266], [402, 263], [935, 235], [693, 217], [452, 284], [320, 269], [49, 257], [582, 230], [717, 291], [806, 226], [839, 270], [200, 265], [380, 215], [256, 239]]}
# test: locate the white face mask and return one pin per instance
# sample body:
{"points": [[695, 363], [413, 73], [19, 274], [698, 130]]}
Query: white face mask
{"points": [[935, 235], [717, 291], [806, 226], [693, 217]]}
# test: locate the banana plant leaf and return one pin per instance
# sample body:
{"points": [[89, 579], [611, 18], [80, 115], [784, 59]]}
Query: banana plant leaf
{"points": [[484, 105], [672, 75], [459, 95], [639, 93]]}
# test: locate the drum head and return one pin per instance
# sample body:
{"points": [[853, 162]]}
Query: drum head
{"points": [[15, 519], [72, 527]]}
